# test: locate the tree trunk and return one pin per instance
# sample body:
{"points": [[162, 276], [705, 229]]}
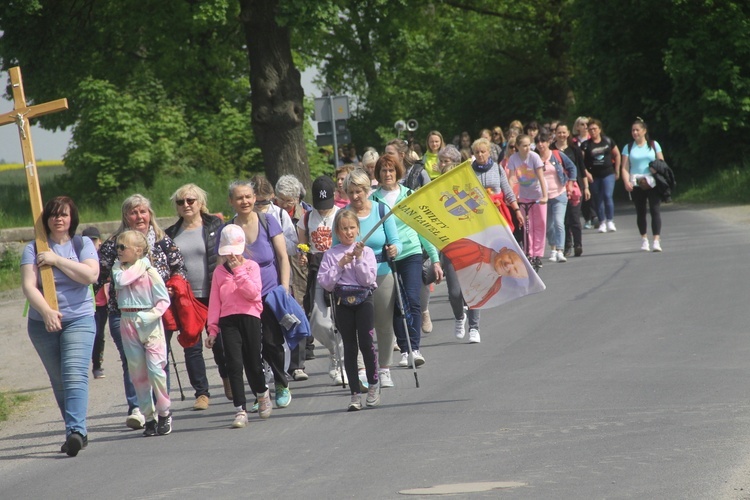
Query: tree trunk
{"points": [[277, 95]]}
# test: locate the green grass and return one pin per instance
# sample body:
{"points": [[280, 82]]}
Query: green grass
{"points": [[9, 401], [15, 208], [10, 270], [731, 186]]}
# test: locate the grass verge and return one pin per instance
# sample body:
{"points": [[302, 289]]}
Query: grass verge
{"points": [[10, 273], [9, 401]]}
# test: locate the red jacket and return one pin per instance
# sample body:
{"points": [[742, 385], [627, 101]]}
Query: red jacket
{"points": [[186, 313]]}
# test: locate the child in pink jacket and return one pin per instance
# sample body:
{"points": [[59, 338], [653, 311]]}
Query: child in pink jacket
{"points": [[234, 308]]}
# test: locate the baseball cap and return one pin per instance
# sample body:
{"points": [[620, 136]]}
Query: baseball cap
{"points": [[322, 192], [232, 240], [92, 232]]}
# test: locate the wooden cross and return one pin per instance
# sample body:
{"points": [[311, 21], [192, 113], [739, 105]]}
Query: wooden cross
{"points": [[21, 115]]}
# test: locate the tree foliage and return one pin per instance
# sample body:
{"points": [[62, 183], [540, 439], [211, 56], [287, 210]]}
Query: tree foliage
{"points": [[680, 65], [221, 77], [129, 137]]}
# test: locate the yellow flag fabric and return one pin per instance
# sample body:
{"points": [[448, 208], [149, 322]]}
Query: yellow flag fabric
{"points": [[455, 213]]}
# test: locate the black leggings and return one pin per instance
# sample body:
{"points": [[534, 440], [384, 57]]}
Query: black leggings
{"points": [[640, 198], [242, 349], [355, 323]]}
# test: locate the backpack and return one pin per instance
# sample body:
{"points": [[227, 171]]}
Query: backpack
{"points": [[413, 179]]}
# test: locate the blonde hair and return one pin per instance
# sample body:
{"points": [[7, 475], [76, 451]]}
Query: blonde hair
{"points": [[135, 239], [345, 214], [357, 178], [369, 157], [480, 142], [183, 192]]}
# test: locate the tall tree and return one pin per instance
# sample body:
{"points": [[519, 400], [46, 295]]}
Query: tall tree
{"points": [[277, 96]]}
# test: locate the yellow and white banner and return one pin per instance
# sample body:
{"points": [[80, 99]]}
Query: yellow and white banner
{"points": [[455, 213]]}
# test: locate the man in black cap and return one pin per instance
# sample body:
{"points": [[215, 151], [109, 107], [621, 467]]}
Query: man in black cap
{"points": [[316, 231]]}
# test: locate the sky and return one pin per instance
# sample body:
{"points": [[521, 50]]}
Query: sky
{"points": [[52, 145]]}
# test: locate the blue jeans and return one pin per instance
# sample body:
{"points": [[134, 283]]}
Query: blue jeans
{"points": [[114, 330], [556, 220], [66, 356], [410, 270], [194, 364], [604, 188]]}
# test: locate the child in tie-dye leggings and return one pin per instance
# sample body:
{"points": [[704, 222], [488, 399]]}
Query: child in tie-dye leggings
{"points": [[142, 298]]}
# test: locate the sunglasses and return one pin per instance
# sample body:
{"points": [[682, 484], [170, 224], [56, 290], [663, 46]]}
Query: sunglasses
{"points": [[189, 201], [121, 247]]}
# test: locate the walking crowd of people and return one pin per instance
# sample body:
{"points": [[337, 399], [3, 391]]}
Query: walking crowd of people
{"points": [[280, 273]]}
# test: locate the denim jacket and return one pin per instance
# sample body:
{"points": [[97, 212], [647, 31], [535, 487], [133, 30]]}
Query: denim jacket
{"points": [[565, 171]]}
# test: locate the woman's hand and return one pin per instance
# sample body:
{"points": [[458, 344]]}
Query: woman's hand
{"points": [[210, 341], [52, 320], [543, 200], [303, 259], [391, 250], [628, 185], [519, 218], [438, 272], [47, 259], [586, 193]]}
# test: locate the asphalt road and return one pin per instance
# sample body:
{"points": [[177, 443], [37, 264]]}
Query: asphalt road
{"points": [[629, 377]]}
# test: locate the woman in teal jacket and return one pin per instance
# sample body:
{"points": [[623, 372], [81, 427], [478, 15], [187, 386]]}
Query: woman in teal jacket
{"points": [[388, 171]]}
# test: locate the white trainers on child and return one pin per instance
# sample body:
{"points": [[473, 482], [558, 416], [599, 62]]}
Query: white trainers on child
{"points": [[474, 336], [644, 245], [460, 327]]}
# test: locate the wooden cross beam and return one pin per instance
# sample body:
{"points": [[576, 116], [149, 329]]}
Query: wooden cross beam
{"points": [[21, 115]]}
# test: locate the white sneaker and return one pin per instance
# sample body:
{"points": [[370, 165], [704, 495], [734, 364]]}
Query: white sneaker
{"points": [[603, 227], [657, 246], [611, 226], [644, 245], [333, 369], [240, 420], [460, 327], [418, 358], [135, 420], [340, 378], [474, 336], [404, 361], [553, 257], [384, 375], [561, 257]]}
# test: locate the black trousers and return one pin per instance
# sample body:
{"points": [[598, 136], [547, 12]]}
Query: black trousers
{"points": [[242, 349]]}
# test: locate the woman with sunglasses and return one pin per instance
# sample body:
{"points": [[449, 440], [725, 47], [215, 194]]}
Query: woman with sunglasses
{"points": [[195, 233], [137, 215]]}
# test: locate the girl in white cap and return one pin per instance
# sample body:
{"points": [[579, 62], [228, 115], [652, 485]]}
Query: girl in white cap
{"points": [[234, 308]]}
